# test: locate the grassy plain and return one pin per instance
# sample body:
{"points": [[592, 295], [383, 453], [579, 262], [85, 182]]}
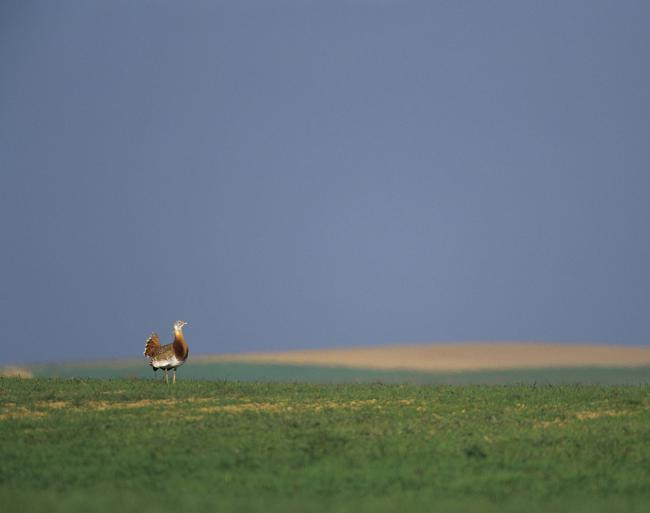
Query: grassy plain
{"points": [[277, 372], [69, 445]]}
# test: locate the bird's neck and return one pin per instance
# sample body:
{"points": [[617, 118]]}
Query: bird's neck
{"points": [[180, 346], [178, 336]]}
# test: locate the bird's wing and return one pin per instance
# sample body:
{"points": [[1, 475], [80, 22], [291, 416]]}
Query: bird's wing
{"points": [[163, 357], [165, 352], [152, 345]]}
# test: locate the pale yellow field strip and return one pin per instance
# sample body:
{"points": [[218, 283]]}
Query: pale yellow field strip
{"points": [[198, 408], [456, 356]]}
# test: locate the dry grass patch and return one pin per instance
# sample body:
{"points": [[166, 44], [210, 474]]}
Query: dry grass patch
{"points": [[200, 406], [284, 406], [53, 405], [581, 416], [244, 407], [125, 405], [591, 415], [15, 372], [141, 403], [348, 405], [21, 413]]}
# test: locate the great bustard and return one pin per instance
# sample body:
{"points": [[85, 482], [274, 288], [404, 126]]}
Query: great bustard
{"points": [[169, 356]]}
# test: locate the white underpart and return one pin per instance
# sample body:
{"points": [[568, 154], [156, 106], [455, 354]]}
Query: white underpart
{"points": [[170, 363]]}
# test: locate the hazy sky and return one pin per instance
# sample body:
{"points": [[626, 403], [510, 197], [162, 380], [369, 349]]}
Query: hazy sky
{"points": [[291, 174]]}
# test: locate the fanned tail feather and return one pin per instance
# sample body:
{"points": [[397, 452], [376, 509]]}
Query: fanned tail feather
{"points": [[152, 344]]}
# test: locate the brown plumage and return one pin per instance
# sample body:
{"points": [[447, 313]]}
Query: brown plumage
{"points": [[169, 356], [152, 345]]}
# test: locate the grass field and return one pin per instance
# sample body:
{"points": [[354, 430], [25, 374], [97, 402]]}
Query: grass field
{"points": [[69, 445], [238, 371]]}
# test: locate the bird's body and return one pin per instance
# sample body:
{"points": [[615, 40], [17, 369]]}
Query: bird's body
{"points": [[169, 356]]}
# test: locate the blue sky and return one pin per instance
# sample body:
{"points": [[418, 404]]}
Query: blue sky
{"points": [[311, 174]]}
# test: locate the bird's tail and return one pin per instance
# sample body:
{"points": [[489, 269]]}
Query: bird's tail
{"points": [[152, 344]]}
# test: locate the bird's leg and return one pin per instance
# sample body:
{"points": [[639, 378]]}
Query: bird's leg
{"points": [[174, 380], [166, 378]]}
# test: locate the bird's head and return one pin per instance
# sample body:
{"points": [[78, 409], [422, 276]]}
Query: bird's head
{"points": [[178, 325]]}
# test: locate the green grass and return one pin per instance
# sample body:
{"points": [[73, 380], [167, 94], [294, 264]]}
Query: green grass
{"points": [[233, 371], [69, 445]]}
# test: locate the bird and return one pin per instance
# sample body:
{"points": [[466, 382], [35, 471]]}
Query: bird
{"points": [[169, 356]]}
